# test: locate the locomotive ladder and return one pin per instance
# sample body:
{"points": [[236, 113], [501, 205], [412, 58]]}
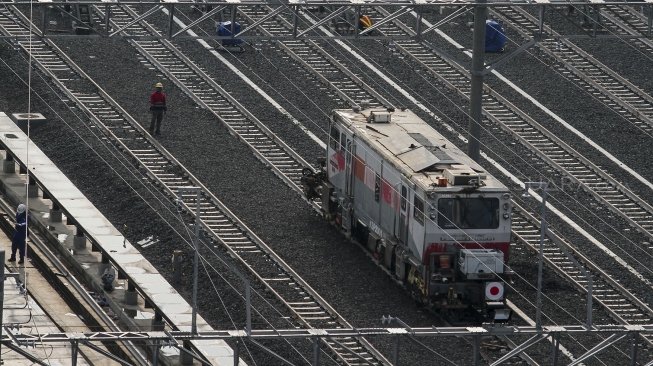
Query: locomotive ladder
{"points": [[620, 303], [306, 306], [635, 105], [318, 63], [531, 134]]}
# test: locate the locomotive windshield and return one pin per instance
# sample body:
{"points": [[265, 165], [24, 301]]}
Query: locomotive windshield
{"points": [[468, 213]]}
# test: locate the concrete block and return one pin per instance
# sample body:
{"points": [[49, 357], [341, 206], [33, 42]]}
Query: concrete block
{"points": [[79, 242], [56, 216], [35, 119], [131, 298], [185, 359], [8, 166]]}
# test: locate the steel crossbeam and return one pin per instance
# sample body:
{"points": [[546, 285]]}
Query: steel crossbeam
{"points": [[607, 330], [306, 28], [316, 3]]}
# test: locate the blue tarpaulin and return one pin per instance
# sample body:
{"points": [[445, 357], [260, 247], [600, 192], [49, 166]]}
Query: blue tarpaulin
{"points": [[495, 36]]}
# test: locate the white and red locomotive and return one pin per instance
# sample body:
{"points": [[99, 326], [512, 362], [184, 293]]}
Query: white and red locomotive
{"points": [[429, 213]]}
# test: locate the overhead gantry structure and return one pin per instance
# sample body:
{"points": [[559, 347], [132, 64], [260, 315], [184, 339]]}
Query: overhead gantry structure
{"points": [[308, 27]]}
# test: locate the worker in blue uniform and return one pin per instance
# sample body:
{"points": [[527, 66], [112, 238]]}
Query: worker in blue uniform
{"points": [[20, 235]]}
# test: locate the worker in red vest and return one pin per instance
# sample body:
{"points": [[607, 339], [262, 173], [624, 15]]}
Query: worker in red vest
{"points": [[158, 109]]}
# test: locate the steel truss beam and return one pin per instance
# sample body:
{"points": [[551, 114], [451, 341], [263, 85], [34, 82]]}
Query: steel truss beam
{"points": [[421, 5], [176, 336], [305, 30]]}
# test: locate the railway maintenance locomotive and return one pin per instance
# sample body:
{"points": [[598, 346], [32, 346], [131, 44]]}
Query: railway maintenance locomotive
{"points": [[427, 212]]}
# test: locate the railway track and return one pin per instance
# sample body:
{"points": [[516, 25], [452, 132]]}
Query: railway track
{"points": [[305, 305], [527, 222], [550, 148], [619, 302], [203, 89], [627, 21], [613, 90], [329, 70], [207, 211]]}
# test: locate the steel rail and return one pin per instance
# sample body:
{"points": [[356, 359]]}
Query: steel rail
{"points": [[38, 240], [617, 300], [627, 23], [307, 307], [177, 64], [635, 105], [538, 237], [613, 194], [206, 92], [317, 62]]}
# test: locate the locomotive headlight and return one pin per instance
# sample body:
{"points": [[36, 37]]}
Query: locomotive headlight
{"points": [[506, 196], [506, 216], [432, 215], [506, 206]]}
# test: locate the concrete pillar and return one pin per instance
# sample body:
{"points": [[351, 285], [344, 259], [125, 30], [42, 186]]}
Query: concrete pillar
{"points": [[32, 188], [55, 212], [131, 296], [184, 357], [104, 265], [22, 169], [8, 165], [157, 322], [79, 240]]}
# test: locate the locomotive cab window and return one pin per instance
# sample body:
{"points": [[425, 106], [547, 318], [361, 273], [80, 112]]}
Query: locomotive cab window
{"points": [[418, 210], [468, 213], [335, 137]]}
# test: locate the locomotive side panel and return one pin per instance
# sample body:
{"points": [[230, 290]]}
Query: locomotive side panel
{"points": [[429, 213]]}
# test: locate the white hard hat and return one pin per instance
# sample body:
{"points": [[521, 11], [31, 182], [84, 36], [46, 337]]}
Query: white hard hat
{"points": [[20, 208], [158, 85]]}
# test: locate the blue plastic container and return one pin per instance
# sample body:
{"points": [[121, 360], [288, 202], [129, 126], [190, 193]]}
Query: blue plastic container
{"points": [[224, 30], [495, 36]]}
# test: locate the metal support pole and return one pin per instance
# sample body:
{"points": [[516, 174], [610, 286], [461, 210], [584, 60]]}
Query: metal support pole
{"points": [[540, 22], [107, 18], [589, 300], [476, 94], [2, 296], [75, 349], [395, 351], [295, 21], [236, 354], [540, 260], [248, 308], [554, 351], [634, 350], [155, 354], [418, 26], [171, 20], [477, 350], [650, 19], [316, 351], [196, 259], [44, 19]]}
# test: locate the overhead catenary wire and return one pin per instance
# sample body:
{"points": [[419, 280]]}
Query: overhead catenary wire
{"points": [[112, 147]]}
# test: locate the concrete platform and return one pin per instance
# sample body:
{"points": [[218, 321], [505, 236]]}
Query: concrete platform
{"points": [[101, 246], [25, 315]]}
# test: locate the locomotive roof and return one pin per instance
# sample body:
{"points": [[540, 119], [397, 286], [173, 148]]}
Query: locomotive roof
{"points": [[415, 148]]}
